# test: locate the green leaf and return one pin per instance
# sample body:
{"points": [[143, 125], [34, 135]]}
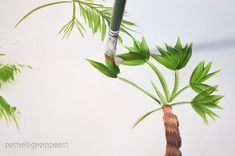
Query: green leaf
{"points": [[7, 75], [138, 54], [128, 23], [112, 67], [132, 59], [103, 69], [200, 87], [178, 45], [104, 29], [8, 72], [2, 54], [96, 26], [205, 101], [199, 75], [80, 27], [174, 58], [8, 112], [144, 49]]}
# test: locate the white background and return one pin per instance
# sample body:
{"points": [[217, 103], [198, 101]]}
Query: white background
{"points": [[66, 100]]}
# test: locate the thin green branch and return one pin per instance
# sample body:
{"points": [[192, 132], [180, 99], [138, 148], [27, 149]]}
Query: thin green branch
{"points": [[162, 80], [67, 28], [176, 85], [179, 92], [180, 103], [162, 98], [94, 7], [38, 8], [74, 10], [144, 116], [141, 89]]}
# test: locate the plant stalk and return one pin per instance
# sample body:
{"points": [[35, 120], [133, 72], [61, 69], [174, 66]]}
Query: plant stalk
{"points": [[176, 85], [162, 80], [180, 103], [74, 10], [179, 92], [172, 133], [139, 88]]}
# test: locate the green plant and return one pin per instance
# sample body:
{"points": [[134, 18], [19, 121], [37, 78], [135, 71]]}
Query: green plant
{"points": [[173, 58], [7, 75], [96, 16]]}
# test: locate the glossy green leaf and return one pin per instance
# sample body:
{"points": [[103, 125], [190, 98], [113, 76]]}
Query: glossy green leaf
{"points": [[138, 54], [174, 58], [205, 101], [199, 75], [112, 67], [103, 69], [132, 59]]}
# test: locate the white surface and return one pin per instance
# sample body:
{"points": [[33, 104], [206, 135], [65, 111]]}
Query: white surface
{"points": [[68, 101]]}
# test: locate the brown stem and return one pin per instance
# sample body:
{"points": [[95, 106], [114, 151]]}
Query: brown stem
{"points": [[173, 139]]}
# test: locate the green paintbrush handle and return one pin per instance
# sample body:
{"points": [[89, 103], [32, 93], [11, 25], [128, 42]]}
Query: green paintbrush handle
{"points": [[118, 11]]}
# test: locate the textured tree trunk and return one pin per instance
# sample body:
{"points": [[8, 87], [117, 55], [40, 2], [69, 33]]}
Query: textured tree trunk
{"points": [[173, 139]]}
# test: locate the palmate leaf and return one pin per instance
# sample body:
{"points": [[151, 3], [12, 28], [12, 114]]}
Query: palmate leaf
{"points": [[8, 112], [137, 55], [174, 58], [201, 74], [205, 101]]}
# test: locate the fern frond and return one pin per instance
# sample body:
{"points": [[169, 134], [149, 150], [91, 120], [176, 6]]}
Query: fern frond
{"points": [[96, 16], [8, 72], [8, 112]]}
